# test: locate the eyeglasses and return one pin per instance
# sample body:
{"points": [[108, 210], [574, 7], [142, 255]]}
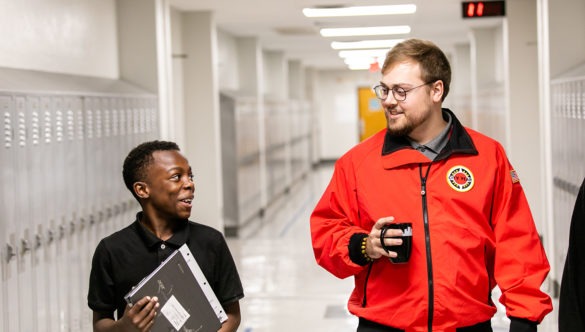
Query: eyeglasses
{"points": [[399, 93]]}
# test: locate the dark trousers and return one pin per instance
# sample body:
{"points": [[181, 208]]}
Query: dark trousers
{"points": [[369, 326]]}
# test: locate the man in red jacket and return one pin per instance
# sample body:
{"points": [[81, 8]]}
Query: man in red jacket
{"points": [[472, 228]]}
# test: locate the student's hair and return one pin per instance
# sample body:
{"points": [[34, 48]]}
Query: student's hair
{"points": [[434, 64], [140, 158]]}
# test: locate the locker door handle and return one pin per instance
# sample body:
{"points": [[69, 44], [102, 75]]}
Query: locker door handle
{"points": [[61, 232], [25, 246], [51, 237], [38, 241], [10, 253]]}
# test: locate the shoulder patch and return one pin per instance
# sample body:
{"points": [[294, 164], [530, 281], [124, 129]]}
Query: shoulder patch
{"points": [[460, 178]]}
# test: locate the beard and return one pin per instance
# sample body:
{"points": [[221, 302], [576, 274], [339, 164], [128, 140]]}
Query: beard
{"points": [[397, 128], [400, 130], [408, 122]]}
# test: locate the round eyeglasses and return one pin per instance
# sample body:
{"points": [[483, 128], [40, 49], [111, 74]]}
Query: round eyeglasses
{"points": [[399, 93]]}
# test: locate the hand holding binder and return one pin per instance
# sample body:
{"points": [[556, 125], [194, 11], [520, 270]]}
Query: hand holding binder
{"points": [[186, 299]]}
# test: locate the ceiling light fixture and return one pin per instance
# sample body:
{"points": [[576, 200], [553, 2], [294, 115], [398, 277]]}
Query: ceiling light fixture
{"points": [[375, 53], [384, 43], [365, 31], [360, 11]]}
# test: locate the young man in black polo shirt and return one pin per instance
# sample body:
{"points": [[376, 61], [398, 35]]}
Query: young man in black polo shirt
{"points": [[160, 178]]}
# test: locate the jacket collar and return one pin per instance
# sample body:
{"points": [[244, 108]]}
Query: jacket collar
{"points": [[397, 151]]}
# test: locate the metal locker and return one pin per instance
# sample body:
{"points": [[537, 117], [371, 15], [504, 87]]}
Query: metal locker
{"points": [[81, 316], [36, 169], [117, 133], [46, 268], [63, 218], [7, 207], [64, 114], [117, 162], [24, 216], [109, 156], [129, 144], [91, 155]]}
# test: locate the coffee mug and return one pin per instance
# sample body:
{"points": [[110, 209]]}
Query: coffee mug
{"points": [[402, 250]]}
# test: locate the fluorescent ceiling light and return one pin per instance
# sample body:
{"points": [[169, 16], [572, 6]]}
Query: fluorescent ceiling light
{"points": [[360, 11], [378, 53], [385, 43], [361, 61], [365, 31], [359, 66]]}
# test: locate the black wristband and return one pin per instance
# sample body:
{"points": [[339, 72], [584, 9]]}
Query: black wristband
{"points": [[522, 325], [355, 249]]}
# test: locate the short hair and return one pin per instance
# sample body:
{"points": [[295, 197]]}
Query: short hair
{"points": [[140, 158], [433, 62]]}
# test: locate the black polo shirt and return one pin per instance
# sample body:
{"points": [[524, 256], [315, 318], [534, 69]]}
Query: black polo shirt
{"points": [[122, 259]]}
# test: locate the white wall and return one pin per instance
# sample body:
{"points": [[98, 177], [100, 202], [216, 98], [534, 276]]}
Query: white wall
{"points": [[336, 104], [63, 36], [227, 62]]}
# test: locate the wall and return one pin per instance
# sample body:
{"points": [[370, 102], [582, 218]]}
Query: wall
{"points": [[336, 104], [73, 37], [227, 62]]}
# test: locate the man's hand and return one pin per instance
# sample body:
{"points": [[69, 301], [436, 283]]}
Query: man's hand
{"points": [[373, 243]]}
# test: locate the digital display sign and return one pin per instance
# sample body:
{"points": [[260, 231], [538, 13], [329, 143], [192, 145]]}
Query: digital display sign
{"points": [[476, 9]]}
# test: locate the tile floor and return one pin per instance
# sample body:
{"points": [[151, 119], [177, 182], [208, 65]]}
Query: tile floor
{"points": [[285, 289]]}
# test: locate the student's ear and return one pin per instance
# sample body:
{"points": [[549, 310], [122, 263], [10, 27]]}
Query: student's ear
{"points": [[141, 189]]}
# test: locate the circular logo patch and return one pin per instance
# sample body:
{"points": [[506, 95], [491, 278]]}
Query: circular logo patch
{"points": [[460, 178]]}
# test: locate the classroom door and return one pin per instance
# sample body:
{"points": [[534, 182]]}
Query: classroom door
{"points": [[371, 114]]}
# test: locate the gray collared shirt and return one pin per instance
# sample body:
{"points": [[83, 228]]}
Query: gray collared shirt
{"points": [[432, 148]]}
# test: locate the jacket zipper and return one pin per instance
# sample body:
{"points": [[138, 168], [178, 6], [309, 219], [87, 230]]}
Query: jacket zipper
{"points": [[423, 193]]}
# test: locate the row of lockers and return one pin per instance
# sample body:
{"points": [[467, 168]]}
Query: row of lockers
{"points": [[265, 148], [61, 192], [568, 156]]}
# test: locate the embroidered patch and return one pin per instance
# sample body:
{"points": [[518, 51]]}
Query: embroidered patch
{"points": [[460, 178], [515, 178]]}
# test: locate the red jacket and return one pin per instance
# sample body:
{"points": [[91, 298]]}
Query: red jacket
{"points": [[472, 229]]}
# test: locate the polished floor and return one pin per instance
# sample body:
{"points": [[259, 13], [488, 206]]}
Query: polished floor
{"points": [[285, 289]]}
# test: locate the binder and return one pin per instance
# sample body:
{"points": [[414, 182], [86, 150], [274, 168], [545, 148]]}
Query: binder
{"points": [[187, 302]]}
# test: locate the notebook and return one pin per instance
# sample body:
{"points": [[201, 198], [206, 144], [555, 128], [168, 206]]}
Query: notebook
{"points": [[187, 302]]}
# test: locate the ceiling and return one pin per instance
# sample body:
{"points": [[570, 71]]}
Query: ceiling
{"points": [[280, 24]]}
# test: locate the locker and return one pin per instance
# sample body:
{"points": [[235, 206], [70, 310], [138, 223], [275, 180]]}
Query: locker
{"points": [[19, 234], [63, 218], [7, 207], [37, 198], [118, 152], [91, 155]]}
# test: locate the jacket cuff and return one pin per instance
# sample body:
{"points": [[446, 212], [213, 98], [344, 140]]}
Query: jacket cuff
{"points": [[522, 325], [355, 249]]}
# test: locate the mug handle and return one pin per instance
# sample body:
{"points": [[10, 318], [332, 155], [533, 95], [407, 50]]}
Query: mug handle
{"points": [[382, 233]]}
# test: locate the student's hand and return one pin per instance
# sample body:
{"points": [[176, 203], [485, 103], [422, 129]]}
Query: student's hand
{"points": [[140, 316], [374, 246]]}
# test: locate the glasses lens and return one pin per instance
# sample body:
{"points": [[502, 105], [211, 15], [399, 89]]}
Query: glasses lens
{"points": [[381, 91], [399, 93]]}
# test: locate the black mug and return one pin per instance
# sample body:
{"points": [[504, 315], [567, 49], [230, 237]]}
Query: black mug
{"points": [[402, 250]]}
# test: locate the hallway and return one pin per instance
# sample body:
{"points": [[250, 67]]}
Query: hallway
{"points": [[286, 291]]}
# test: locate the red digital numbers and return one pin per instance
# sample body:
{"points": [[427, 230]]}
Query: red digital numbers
{"points": [[473, 9]]}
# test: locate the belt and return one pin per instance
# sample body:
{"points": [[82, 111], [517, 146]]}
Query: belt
{"points": [[369, 326]]}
